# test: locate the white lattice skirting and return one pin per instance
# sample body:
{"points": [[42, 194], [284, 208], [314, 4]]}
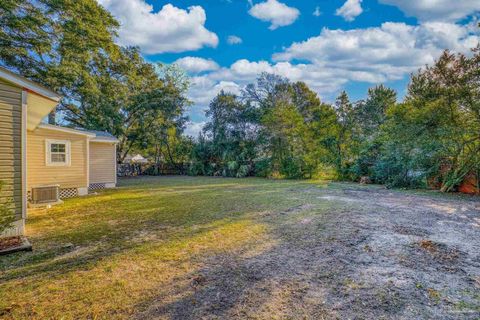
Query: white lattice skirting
{"points": [[97, 186], [68, 193]]}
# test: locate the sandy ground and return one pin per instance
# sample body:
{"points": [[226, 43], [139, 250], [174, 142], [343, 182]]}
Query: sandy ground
{"points": [[345, 253]]}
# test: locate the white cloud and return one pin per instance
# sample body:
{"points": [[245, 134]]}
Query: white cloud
{"points": [[232, 79], [390, 51], [336, 57], [234, 40], [194, 128], [204, 88], [350, 10], [277, 13], [169, 30], [436, 10], [317, 12], [196, 64]]}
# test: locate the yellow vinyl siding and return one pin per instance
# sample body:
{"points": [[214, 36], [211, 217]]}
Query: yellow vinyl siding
{"points": [[11, 145], [38, 173], [102, 162]]}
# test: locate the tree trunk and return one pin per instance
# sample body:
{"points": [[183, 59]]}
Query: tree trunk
{"points": [[169, 152]]}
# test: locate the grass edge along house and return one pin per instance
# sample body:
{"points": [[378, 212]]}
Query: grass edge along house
{"points": [[42, 163]]}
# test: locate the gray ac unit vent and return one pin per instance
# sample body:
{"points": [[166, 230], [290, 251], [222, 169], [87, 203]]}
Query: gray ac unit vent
{"points": [[45, 194]]}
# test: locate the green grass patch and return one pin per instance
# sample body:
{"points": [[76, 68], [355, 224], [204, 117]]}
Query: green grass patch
{"points": [[105, 256]]}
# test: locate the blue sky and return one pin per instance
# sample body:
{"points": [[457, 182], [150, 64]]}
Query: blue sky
{"points": [[332, 45]]}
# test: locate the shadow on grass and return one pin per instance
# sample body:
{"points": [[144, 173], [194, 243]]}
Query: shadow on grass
{"points": [[278, 277], [86, 230], [192, 248]]}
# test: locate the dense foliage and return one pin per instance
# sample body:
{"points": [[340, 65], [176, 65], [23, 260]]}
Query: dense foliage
{"points": [[435, 133], [276, 128], [68, 45]]}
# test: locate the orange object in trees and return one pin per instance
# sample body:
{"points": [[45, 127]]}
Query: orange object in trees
{"points": [[470, 184]]}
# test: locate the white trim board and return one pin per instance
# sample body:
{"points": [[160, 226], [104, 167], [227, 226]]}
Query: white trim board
{"points": [[88, 162], [99, 140], [29, 85], [66, 130], [115, 161], [48, 153], [24, 154]]}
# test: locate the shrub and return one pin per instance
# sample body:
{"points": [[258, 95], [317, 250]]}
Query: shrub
{"points": [[231, 169], [243, 171], [7, 217], [263, 168], [291, 168]]}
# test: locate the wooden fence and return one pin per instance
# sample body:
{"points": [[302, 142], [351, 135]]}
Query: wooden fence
{"points": [[150, 169]]}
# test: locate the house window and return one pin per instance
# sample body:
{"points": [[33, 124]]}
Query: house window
{"points": [[58, 153]]}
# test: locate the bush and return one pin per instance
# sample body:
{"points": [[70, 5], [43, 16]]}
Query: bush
{"points": [[291, 168], [397, 171], [7, 217], [263, 168], [196, 168], [231, 169], [325, 172], [243, 171]]}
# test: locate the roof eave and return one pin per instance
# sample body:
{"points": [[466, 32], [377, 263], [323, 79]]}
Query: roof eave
{"points": [[105, 140], [29, 85], [65, 129]]}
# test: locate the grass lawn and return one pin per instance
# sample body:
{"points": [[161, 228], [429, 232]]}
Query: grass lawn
{"points": [[107, 255], [183, 247]]}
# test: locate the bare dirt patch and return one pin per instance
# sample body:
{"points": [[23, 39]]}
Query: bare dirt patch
{"points": [[366, 253], [411, 231], [297, 209], [439, 251]]}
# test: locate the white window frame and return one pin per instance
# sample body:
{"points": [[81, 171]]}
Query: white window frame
{"points": [[48, 153]]}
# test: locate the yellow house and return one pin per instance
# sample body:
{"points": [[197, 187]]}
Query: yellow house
{"points": [[73, 160], [36, 157]]}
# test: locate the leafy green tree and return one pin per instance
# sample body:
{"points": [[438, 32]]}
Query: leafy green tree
{"points": [[444, 105], [284, 125], [370, 115], [301, 129], [433, 135], [402, 160], [232, 132], [68, 45], [149, 115], [156, 121], [323, 132], [57, 43], [346, 143], [276, 128], [202, 158]]}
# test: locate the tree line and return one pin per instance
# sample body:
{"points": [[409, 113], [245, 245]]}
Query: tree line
{"points": [[278, 128], [274, 128]]}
